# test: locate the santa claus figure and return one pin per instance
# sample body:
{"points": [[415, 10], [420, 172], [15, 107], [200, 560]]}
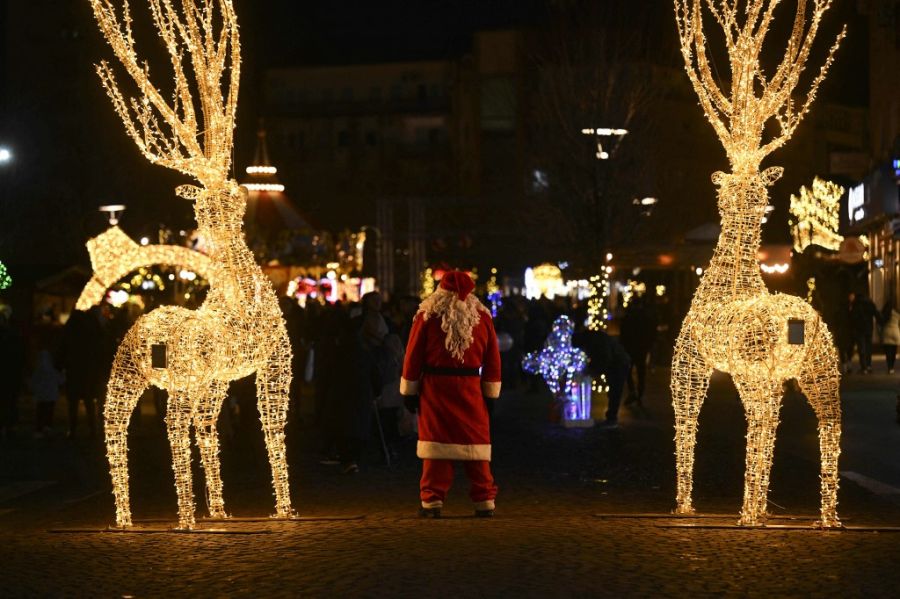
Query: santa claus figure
{"points": [[451, 376]]}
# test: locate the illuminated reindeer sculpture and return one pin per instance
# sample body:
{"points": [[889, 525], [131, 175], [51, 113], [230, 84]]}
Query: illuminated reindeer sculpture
{"points": [[239, 329], [734, 324]]}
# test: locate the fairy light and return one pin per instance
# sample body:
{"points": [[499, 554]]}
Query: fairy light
{"points": [[239, 329], [114, 255], [427, 283], [5, 278], [598, 294], [815, 216], [734, 324]]}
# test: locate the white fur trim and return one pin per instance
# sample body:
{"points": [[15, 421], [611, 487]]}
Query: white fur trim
{"points": [[432, 450], [485, 505], [408, 387], [490, 390], [428, 505], [458, 318]]}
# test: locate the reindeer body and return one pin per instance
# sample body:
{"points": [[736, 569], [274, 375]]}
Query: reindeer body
{"points": [[239, 329], [734, 324]]}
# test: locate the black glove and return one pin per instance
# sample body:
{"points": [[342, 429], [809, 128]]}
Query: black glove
{"points": [[411, 402], [489, 404]]}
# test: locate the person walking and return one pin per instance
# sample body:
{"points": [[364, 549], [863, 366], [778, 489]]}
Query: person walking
{"points": [[81, 358], [608, 358], [862, 320], [45, 383], [451, 376], [637, 335], [12, 367], [890, 333]]}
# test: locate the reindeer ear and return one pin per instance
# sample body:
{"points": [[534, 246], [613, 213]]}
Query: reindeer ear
{"points": [[188, 192], [718, 178], [772, 174]]}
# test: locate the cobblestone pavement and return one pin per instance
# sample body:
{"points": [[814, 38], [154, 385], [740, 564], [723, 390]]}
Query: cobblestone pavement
{"points": [[546, 540]]}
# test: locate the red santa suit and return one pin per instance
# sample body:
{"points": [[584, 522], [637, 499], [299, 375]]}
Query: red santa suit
{"points": [[453, 365]]}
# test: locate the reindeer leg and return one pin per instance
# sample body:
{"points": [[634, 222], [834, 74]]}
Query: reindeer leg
{"points": [[690, 380], [762, 402], [820, 381], [126, 384], [178, 423], [273, 382], [206, 413]]}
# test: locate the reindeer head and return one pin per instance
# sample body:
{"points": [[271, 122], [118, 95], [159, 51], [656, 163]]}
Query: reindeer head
{"points": [[220, 208], [745, 192]]}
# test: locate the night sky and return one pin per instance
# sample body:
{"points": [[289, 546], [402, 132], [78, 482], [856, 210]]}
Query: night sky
{"points": [[75, 156]]}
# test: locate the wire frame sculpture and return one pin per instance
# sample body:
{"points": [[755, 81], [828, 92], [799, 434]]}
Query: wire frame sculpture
{"points": [[734, 325], [114, 255], [239, 329]]}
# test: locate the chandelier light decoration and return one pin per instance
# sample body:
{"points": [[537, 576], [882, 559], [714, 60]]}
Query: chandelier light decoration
{"points": [[734, 325], [815, 216], [114, 255], [239, 329]]}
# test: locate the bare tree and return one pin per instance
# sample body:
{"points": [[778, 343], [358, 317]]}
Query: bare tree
{"points": [[591, 72]]}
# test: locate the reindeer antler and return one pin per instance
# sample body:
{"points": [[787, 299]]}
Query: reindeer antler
{"points": [[739, 118], [169, 134]]}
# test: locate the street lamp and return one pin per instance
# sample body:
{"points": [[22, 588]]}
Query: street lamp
{"points": [[601, 132], [113, 210], [6, 155]]}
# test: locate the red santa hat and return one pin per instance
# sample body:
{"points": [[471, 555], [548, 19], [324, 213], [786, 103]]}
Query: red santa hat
{"points": [[459, 283]]}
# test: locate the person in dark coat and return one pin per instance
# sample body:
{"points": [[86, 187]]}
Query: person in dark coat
{"points": [[12, 370], [862, 321], [82, 355], [638, 334], [606, 357]]}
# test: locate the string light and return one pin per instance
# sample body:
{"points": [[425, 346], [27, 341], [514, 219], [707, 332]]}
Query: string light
{"points": [[5, 278], [734, 324], [598, 294], [427, 283], [114, 255], [815, 216], [239, 329]]}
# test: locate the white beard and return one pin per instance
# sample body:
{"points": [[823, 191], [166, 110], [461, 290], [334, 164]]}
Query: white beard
{"points": [[458, 318]]}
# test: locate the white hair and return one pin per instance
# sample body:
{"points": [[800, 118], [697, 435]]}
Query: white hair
{"points": [[458, 318]]}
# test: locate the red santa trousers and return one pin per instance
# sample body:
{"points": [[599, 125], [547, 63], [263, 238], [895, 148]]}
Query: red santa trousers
{"points": [[437, 476]]}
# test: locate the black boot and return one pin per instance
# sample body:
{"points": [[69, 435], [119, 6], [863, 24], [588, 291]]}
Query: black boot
{"points": [[484, 513], [429, 512]]}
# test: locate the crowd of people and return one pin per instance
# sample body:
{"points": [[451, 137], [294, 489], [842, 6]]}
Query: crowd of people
{"points": [[348, 359]]}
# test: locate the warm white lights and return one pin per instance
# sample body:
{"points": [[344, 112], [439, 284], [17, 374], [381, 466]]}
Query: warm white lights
{"points": [[261, 170], [239, 329], [6, 155], [605, 132], [114, 255], [267, 187], [734, 324], [774, 269], [815, 216]]}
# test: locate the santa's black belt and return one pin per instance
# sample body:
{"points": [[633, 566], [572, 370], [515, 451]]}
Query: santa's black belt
{"points": [[451, 371]]}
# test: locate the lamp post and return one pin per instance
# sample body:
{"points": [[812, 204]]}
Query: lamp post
{"points": [[607, 141]]}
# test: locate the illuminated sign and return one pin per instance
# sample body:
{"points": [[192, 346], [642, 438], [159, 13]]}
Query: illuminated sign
{"points": [[856, 203]]}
